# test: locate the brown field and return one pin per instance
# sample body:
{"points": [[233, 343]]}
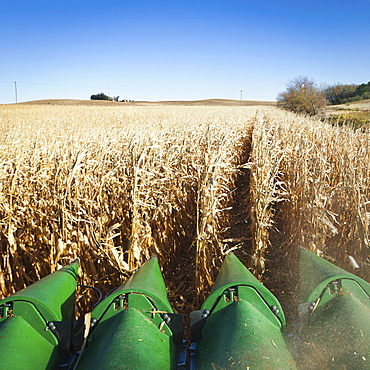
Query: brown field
{"points": [[113, 184], [355, 114], [207, 102], [361, 105]]}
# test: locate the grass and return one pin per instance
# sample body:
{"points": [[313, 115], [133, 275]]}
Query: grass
{"points": [[353, 119], [114, 185], [355, 115]]}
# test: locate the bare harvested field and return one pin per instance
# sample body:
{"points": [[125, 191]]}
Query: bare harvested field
{"points": [[207, 102], [362, 105], [113, 185]]}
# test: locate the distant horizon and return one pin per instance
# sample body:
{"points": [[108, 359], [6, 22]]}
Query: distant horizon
{"points": [[207, 102], [166, 50], [153, 101]]}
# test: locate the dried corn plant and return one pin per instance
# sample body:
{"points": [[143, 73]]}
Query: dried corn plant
{"points": [[331, 199], [318, 193], [216, 184], [267, 189], [113, 186]]}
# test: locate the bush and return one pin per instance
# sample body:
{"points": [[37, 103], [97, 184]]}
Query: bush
{"points": [[303, 96], [354, 98], [340, 93], [100, 96]]}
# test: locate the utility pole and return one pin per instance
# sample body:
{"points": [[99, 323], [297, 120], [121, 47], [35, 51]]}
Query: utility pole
{"points": [[16, 92], [241, 97]]}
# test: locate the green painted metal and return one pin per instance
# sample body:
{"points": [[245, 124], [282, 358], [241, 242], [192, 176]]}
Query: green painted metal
{"points": [[242, 324], [53, 295], [334, 328], [316, 273], [131, 327], [234, 273], [26, 341], [238, 327], [148, 281]]}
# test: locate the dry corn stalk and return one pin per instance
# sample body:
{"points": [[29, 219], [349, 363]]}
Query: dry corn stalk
{"points": [[113, 186], [325, 178]]}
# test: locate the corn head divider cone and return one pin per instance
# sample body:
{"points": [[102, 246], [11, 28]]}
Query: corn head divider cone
{"points": [[334, 316], [135, 326], [239, 325], [36, 322]]}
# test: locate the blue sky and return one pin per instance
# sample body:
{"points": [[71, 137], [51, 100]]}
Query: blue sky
{"points": [[178, 50]]}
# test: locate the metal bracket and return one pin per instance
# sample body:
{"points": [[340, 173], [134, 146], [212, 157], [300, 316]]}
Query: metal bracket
{"points": [[62, 330], [197, 321], [175, 322], [182, 355], [4, 310], [335, 286]]}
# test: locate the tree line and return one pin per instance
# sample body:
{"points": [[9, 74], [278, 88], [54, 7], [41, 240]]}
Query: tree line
{"points": [[102, 96], [340, 93], [303, 95]]}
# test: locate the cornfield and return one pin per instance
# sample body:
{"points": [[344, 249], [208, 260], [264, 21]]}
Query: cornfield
{"points": [[113, 185]]}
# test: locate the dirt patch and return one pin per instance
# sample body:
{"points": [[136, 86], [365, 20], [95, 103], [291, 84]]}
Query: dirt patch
{"points": [[240, 233]]}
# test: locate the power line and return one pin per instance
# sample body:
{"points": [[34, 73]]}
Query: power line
{"points": [[118, 88], [122, 90]]}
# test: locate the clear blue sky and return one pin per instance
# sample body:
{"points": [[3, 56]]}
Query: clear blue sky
{"points": [[178, 49]]}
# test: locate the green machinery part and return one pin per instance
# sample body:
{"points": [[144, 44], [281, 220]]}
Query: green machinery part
{"points": [[134, 327], [334, 316], [239, 325], [35, 323]]}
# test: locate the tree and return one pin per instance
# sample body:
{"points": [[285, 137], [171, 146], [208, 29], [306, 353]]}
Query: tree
{"points": [[363, 89], [303, 96], [340, 93], [100, 96]]}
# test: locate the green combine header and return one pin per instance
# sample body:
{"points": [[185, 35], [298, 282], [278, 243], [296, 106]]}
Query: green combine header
{"points": [[134, 327], [334, 316], [36, 323], [241, 325]]}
